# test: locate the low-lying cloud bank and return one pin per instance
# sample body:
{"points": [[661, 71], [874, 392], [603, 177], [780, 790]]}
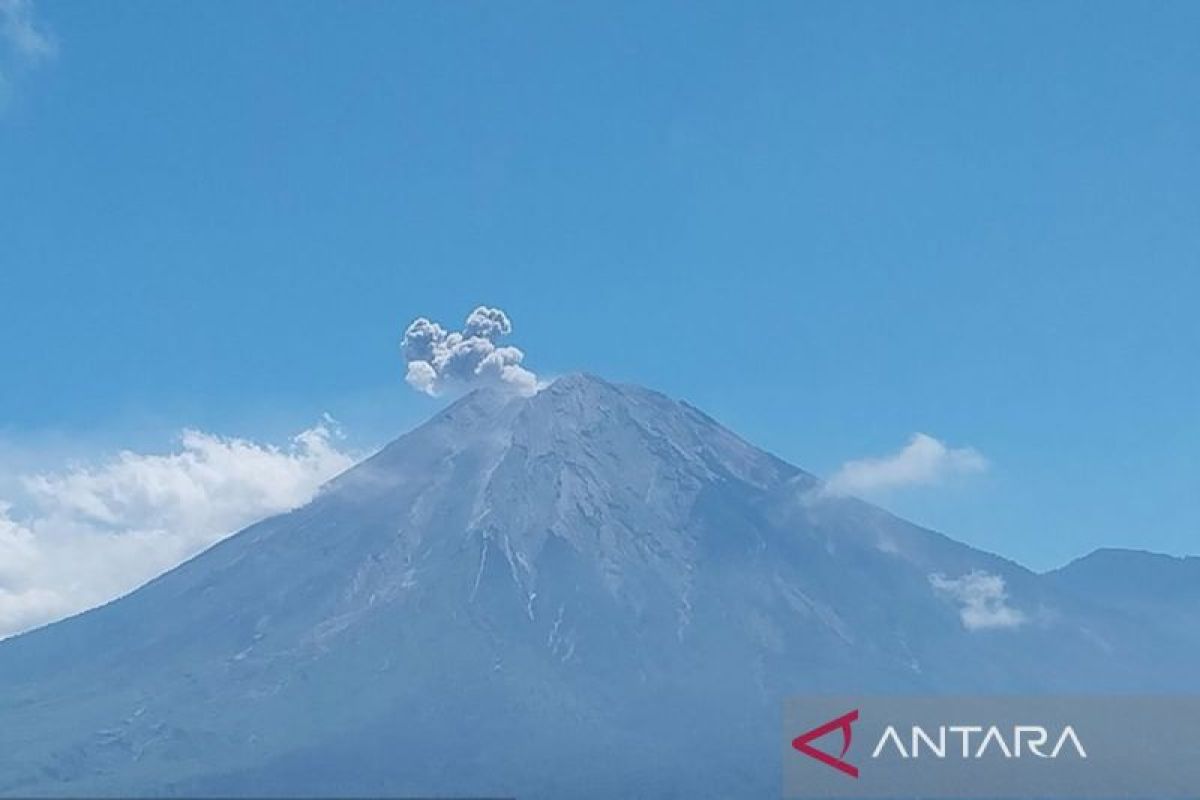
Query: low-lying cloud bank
{"points": [[79, 537], [982, 600], [924, 461], [439, 360]]}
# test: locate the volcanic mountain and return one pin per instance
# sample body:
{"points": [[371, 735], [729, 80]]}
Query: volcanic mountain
{"points": [[596, 591]]}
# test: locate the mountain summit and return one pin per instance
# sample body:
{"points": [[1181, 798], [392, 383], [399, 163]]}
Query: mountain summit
{"points": [[593, 591]]}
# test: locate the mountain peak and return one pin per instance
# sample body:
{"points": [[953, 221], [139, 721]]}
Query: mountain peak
{"points": [[520, 578], [590, 387], [495, 407], [579, 381]]}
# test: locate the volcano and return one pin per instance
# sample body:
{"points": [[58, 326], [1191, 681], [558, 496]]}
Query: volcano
{"points": [[596, 591]]}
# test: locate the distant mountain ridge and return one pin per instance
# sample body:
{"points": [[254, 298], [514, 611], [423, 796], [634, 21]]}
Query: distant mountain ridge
{"points": [[594, 591]]}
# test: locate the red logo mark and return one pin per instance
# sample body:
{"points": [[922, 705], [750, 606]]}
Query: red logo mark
{"points": [[802, 743]]}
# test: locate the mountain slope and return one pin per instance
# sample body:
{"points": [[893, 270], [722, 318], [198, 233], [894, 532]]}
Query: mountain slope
{"points": [[593, 591]]}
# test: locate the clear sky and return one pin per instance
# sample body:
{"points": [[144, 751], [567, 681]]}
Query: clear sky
{"points": [[829, 225]]}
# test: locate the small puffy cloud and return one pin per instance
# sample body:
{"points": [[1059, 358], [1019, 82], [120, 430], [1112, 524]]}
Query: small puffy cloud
{"points": [[982, 599], [86, 535], [439, 359], [23, 41], [487, 323], [924, 461]]}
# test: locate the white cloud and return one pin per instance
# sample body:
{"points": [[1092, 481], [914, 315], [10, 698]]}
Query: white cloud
{"points": [[923, 461], [23, 42], [438, 359], [89, 534], [982, 599], [21, 32]]}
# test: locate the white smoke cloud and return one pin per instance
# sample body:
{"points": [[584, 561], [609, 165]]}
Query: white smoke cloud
{"points": [[982, 599], [439, 359], [923, 461], [90, 534]]}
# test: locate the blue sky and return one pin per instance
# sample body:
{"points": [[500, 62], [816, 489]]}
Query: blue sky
{"points": [[829, 225]]}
